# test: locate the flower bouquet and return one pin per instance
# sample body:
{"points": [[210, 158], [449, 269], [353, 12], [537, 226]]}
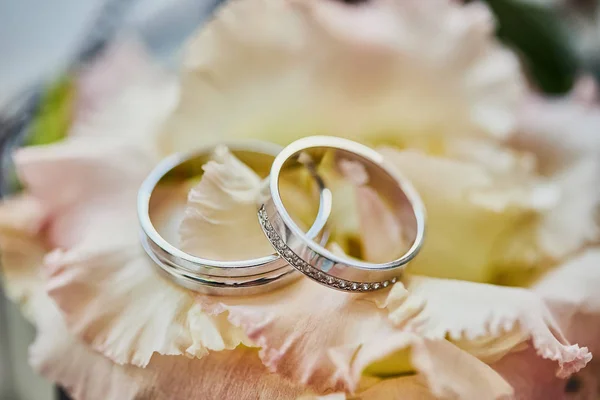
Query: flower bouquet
{"points": [[501, 301]]}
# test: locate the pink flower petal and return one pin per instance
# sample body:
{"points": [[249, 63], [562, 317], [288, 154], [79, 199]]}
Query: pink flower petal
{"points": [[98, 179], [87, 375], [325, 339], [332, 396], [467, 312], [380, 233], [570, 291], [534, 378], [99, 82], [406, 387], [115, 300], [468, 378], [375, 216], [98, 274], [310, 333]]}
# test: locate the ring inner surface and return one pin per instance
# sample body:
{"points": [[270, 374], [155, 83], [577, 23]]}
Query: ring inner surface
{"points": [[340, 165], [176, 182]]}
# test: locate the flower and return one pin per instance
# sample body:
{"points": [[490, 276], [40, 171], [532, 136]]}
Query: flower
{"points": [[424, 82], [358, 72]]}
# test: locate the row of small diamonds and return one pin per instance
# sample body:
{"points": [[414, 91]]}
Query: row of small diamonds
{"points": [[302, 266]]}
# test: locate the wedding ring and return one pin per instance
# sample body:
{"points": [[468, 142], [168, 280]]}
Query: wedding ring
{"points": [[242, 277], [314, 260]]}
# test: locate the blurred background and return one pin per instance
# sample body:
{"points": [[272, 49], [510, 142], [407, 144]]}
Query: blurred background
{"points": [[43, 43]]}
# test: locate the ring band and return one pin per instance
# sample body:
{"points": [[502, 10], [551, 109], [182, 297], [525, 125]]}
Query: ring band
{"points": [[242, 277], [311, 258]]}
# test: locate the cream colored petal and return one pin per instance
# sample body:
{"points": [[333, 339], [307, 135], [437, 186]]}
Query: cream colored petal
{"points": [[558, 131], [453, 373], [87, 375], [462, 231], [22, 214], [449, 372], [406, 388], [344, 220], [414, 387], [573, 223], [466, 312], [562, 133], [331, 396], [491, 213], [220, 220], [517, 191], [282, 69], [516, 179], [22, 252], [560, 204], [21, 259]]}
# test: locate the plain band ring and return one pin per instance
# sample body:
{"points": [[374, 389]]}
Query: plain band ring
{"points": [[311, 258], [211, 276]]}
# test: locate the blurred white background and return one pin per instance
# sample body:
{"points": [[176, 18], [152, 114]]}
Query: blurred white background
{"points": [[37, 37], [39, 40]]}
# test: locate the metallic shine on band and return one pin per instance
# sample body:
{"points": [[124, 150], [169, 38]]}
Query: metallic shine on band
{"points": [[311, 258], [242, 277]]}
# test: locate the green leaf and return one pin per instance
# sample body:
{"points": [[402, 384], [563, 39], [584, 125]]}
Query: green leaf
{"points": [[53, 118], [539, 37]]}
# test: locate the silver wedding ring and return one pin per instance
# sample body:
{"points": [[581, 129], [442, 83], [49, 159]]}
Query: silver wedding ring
{"points": [[314, 260], [241, 277]]}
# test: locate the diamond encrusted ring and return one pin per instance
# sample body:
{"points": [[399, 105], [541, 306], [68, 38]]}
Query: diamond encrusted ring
{"points": [[241, 277], [314, 260]]}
